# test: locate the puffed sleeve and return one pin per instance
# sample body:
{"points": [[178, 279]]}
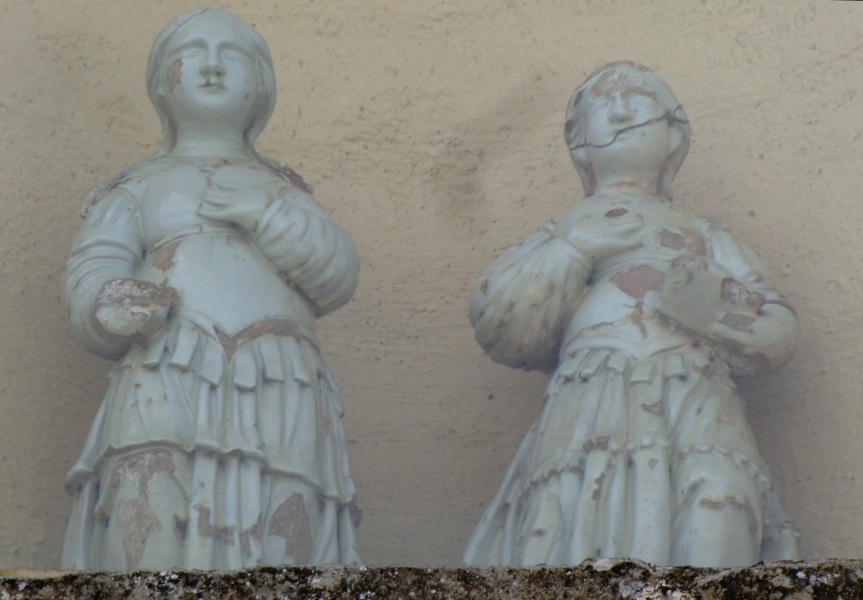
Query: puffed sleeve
{"points": [[521, 303], [108, 246], [304, 242], [770, 349]]}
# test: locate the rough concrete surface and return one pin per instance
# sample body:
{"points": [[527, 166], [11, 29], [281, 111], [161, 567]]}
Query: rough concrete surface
{"points": [[602, 579]]}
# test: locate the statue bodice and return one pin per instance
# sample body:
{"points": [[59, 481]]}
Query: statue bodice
{"points": [[219, 274], [620, 304]]}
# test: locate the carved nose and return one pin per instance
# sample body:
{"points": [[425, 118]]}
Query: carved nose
{"points": [[212, 69], [620, 112]]}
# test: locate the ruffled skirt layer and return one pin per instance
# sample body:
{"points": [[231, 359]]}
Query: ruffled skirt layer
{"points": [[651, 459], [212, 452]]}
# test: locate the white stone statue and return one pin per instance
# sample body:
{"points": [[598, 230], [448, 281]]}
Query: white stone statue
{"points": [[643, 314], [203, 268]]}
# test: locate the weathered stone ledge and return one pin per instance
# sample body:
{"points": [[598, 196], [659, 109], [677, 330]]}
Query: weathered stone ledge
{"points": [[594, 580]]}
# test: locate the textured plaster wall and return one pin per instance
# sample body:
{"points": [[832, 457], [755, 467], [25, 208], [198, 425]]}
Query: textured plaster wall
{"points": [[433, 130]]}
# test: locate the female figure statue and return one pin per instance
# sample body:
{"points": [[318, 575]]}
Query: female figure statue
{"points": [[203, 269], [642, 313]]}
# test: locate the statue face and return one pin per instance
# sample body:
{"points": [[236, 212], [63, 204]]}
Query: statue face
{"points": [[627, 119], [209, 72], [627, 134]]}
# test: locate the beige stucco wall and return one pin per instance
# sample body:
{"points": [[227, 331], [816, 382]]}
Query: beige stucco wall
{"points": [[433, 130]]}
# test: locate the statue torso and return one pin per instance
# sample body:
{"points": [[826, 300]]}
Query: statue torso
{"points": [[619, 307], [221, 277]]}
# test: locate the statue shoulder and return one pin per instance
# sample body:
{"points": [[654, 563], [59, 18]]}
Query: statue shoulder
{"points": [[130, 181]]}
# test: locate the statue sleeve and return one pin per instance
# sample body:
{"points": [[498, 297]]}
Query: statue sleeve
{"points": [[303, 241], [522, 302], [746, 268], [108, 246]]}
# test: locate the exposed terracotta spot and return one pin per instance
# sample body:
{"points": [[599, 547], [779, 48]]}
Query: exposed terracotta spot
{"points": [[292, 176], [136, 518], [598, 481], [175, 73], [639, 280], [181, 526], [570, 125], [657, 408], [227, 534], [135, 293], [291, 522], [137, 521], [588, 446], [626, 85], [689, 261], [738, 321], [538, 532], [225, 162], [672, 240], [278, 327], [602, 442], [735, 503], [711, 504], [164, 257], [688, 239], [694, 241], [652, 463], [735, 292], [616, 212], [252, 534], [636, 318], [483, 287], [205, 528]]}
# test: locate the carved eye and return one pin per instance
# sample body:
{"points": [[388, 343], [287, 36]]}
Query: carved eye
{"points": [[231, 55]]}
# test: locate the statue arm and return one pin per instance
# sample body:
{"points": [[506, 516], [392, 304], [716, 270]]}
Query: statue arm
{"points": [[304, 242], [521, 303], [769, 340], [108, 247]]}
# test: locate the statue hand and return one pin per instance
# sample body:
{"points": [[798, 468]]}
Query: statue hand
{"points": [[765, 340], [133, 309], [243, 207], [603, 237]]}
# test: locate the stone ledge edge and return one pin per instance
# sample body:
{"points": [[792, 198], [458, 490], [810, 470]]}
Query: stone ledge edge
{"points": [[599, 579]]}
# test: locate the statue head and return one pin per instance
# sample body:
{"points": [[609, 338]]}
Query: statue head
{"points": [[208, 63], [624, 119]]}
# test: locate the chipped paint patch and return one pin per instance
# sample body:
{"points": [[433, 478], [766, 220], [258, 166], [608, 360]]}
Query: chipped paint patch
{"points": [[175, 74], [735, 292], [278, 327], [657, 408], [715, 505], [598, 481], [626, 85], [135, 517], [737, 321], [164, 257], [639, 280], [291, 522], [251, 538]]}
